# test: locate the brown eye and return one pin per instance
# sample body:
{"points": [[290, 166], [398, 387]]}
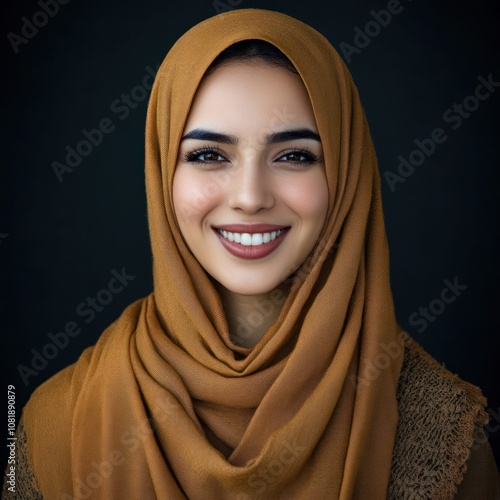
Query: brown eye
{"points": [[294, 157], [210, 157], [204, 155], [298, 157]]}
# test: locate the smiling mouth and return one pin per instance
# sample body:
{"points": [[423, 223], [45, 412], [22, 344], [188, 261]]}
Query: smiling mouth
{"points": [[250, 239]]}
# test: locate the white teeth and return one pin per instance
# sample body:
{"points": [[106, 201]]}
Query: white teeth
{"points": [[247, 239], [257, 239]]}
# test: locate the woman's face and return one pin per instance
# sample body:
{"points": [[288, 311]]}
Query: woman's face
{"points": [[250, 191]]}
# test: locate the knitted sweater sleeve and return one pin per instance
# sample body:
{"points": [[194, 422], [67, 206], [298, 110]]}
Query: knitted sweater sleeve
{"points": [[439, 452]]}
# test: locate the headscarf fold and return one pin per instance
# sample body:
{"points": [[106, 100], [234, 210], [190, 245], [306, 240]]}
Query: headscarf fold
{"points": [[310, 412]]}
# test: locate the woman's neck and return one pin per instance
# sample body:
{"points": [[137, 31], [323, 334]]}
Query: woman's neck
{"points": [[249, 316]]}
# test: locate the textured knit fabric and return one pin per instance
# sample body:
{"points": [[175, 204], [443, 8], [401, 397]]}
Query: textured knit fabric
{"points": [[439, 414], [433, 440]]}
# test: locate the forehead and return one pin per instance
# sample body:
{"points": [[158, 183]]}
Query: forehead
{"points": [[248, 94]]}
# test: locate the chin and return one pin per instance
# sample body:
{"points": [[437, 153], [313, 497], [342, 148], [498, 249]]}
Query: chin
{"points": [[250, 290], [245, 287]]}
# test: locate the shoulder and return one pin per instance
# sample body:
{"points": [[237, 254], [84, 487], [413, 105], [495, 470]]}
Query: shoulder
{"points": [[48, 416], [439, 414], [61, 391], [46, 422]]}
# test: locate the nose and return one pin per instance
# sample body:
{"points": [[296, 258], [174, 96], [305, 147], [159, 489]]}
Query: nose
{"points": [[251, 188]]}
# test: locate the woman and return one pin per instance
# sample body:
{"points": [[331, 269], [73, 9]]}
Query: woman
{"points": [[268, 362]]}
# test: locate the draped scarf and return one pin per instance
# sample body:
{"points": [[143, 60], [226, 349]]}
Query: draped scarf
{"points": [[165, 405]]}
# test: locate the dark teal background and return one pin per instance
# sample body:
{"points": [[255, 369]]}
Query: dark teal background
{"points": [[65, 238]]}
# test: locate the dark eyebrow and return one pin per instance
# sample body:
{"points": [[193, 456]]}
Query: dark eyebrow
{"points": [[274, 138], [290, 135], [208, 135]]}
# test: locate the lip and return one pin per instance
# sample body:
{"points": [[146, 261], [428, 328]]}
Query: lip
{"points": [[250, 228], [251, 252]]}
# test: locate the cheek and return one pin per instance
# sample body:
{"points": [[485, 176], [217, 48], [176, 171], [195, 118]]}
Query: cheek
{"points": [[308, 197], [195, 194]]}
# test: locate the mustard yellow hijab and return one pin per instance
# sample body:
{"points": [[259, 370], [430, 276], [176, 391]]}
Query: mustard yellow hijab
{"points": [[166, 405]]}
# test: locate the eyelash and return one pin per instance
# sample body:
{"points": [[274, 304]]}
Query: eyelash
{"points": [[193, 156], [310, 158]]}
